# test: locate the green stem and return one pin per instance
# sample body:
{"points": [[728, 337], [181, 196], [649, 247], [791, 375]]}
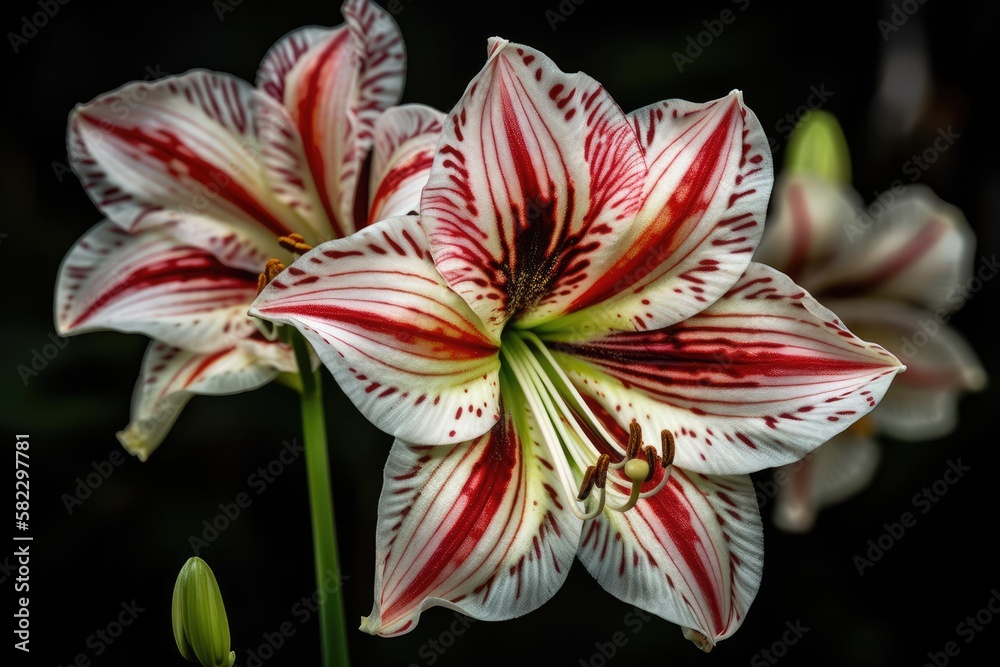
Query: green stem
{"points": [[333, 636]]}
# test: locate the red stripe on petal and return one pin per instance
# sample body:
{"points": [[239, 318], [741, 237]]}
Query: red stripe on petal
{"points": [[458, 343], [181, 162], [482, 497]]}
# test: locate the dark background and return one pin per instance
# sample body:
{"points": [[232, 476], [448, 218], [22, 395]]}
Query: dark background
{"points": [[128, 539]]}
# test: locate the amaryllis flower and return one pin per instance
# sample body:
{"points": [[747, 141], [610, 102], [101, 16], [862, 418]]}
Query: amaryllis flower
{"points": [[571, 347], [199, 176], [895, 278]]}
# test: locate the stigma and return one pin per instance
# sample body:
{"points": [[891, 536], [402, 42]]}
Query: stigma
{"points": [[639, 466]]}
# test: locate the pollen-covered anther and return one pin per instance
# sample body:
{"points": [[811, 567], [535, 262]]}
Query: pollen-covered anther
{"points": [[294, 243], [634, 440], [588, 483], [668, 447], [602, 470], [651, 460], [271, 270]]}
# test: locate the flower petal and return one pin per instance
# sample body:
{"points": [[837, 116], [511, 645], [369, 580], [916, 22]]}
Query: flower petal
{"points": [[706, 194], [405, 348], [182, 151], [922, 402], [405, 141], [171, 376], [831, 474], [919, 251], [692, 554], [153, 284], [538, 172], [757, 380], [807, 226], [334, 83], [477, 527]]}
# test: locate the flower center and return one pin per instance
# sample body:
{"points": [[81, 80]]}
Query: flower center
{"points": [[593, 467]]}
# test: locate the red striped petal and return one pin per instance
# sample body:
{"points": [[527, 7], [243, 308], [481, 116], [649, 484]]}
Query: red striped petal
{"points": [[171, 376], [919, 250], [153, 284], [404, 347], [181, 152], [706, 194], [537, 174], [922, 404], [692, 554], [405, 141], [806, 228], [758, 379], [476, 527], [335, 82]]}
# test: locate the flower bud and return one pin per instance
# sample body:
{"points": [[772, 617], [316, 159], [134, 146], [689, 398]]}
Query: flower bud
{"points": [[818, 147], [201, 628]]}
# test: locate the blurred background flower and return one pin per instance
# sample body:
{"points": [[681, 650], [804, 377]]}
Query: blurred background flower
{"points": [[233, 488], [897, 271]]}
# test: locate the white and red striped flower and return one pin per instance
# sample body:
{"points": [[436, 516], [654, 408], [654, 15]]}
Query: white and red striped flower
{"points": [[577, 277], [200, 174], [894, 278]]}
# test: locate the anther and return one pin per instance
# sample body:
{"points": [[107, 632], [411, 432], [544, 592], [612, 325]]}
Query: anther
{"points": [[650, 453], [667, 444], [634, 440], [602, 470], [294, 243], [271, 270], [588, 483]]}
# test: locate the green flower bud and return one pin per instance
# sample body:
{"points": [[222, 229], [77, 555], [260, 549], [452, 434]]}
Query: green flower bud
{"points": [[201, 628], [818, 147]]}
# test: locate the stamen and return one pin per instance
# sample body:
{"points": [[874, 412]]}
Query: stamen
{"points": [[650, 452], [271, 271], [588, 483], [667, 444], [602, 470], [294, 243], [634, 440]]}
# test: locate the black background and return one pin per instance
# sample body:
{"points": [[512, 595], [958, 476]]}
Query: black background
{"points": [[128, 539]]}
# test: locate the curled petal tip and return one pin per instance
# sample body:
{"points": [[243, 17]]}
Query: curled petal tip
{"points": [[495, 44], [133, 442], [370, 625], [699, 640]]}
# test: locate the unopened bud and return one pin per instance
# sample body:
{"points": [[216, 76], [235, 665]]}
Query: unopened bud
{"points": [[201, 628]]}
